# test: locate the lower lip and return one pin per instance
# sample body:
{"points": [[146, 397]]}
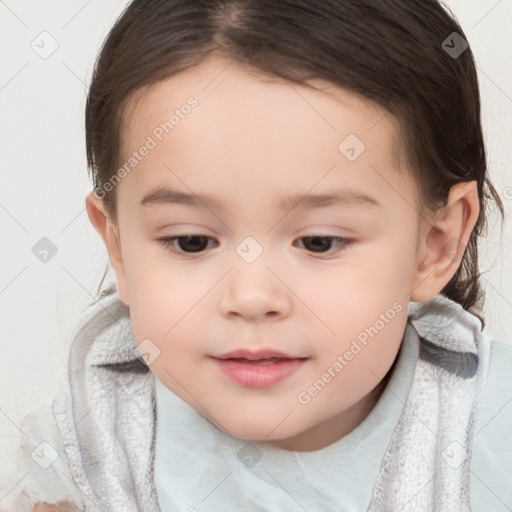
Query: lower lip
{"points": [[259, 375]]}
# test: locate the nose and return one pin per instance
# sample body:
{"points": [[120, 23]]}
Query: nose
{"points": [[254, 292]]}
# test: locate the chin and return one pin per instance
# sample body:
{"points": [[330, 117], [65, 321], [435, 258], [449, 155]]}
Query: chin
{"points": [[250, 429]]}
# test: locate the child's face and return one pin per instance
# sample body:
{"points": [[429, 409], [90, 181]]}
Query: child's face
{"points": [[252, 144]]}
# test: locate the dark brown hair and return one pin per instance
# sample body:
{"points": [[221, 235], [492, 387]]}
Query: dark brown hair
{"points": [[389, 51]]}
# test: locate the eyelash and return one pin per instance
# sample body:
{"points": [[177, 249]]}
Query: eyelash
{"points": [[168, 243]]}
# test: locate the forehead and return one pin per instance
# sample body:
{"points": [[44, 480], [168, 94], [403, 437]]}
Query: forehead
{"points": [[226, 83], [255, 133]]}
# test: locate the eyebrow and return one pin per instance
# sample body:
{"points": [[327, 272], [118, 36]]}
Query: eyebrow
{"points": [[346, 197]]}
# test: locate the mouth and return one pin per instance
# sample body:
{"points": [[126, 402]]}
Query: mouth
{"points": [[258, 369], [272, 360], [256, 355]]}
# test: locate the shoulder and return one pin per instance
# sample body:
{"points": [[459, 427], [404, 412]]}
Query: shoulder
{"points": [[491, 462], [43, 481]]}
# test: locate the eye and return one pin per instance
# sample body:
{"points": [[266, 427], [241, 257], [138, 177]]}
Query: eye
{"points": [[321, 244], [189, 244]]}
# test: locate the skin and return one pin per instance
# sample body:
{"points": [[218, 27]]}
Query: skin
{"points": [[251, 141], [61, 506]]}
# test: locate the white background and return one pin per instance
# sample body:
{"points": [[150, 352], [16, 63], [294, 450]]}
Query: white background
{"points": [[45, 181]]}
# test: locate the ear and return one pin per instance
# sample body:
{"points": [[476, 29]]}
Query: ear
{"points": [[442, 248], [109, 233]]}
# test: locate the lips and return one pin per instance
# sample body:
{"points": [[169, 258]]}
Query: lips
{"points": [[258, 369], [255, 355], [262, 361]]}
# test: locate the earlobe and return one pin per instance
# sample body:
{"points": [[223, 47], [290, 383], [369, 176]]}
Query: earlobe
{"points": [[444, 241], [109, 234]]}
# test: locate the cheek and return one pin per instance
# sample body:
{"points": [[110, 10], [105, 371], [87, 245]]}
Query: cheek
{"points": [[166, 304], [164, 314], [366, 307], [351, 295], [383, 274], [360, 361]]}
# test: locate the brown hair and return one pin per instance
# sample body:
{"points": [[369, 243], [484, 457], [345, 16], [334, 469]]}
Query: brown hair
{"points": [[389, 51]]}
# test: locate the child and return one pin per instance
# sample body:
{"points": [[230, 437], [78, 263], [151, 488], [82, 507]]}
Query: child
{"points": [[262, 370]]}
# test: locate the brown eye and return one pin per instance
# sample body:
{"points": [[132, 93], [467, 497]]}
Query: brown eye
{"points": [[187, 244], [321, 244]]}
